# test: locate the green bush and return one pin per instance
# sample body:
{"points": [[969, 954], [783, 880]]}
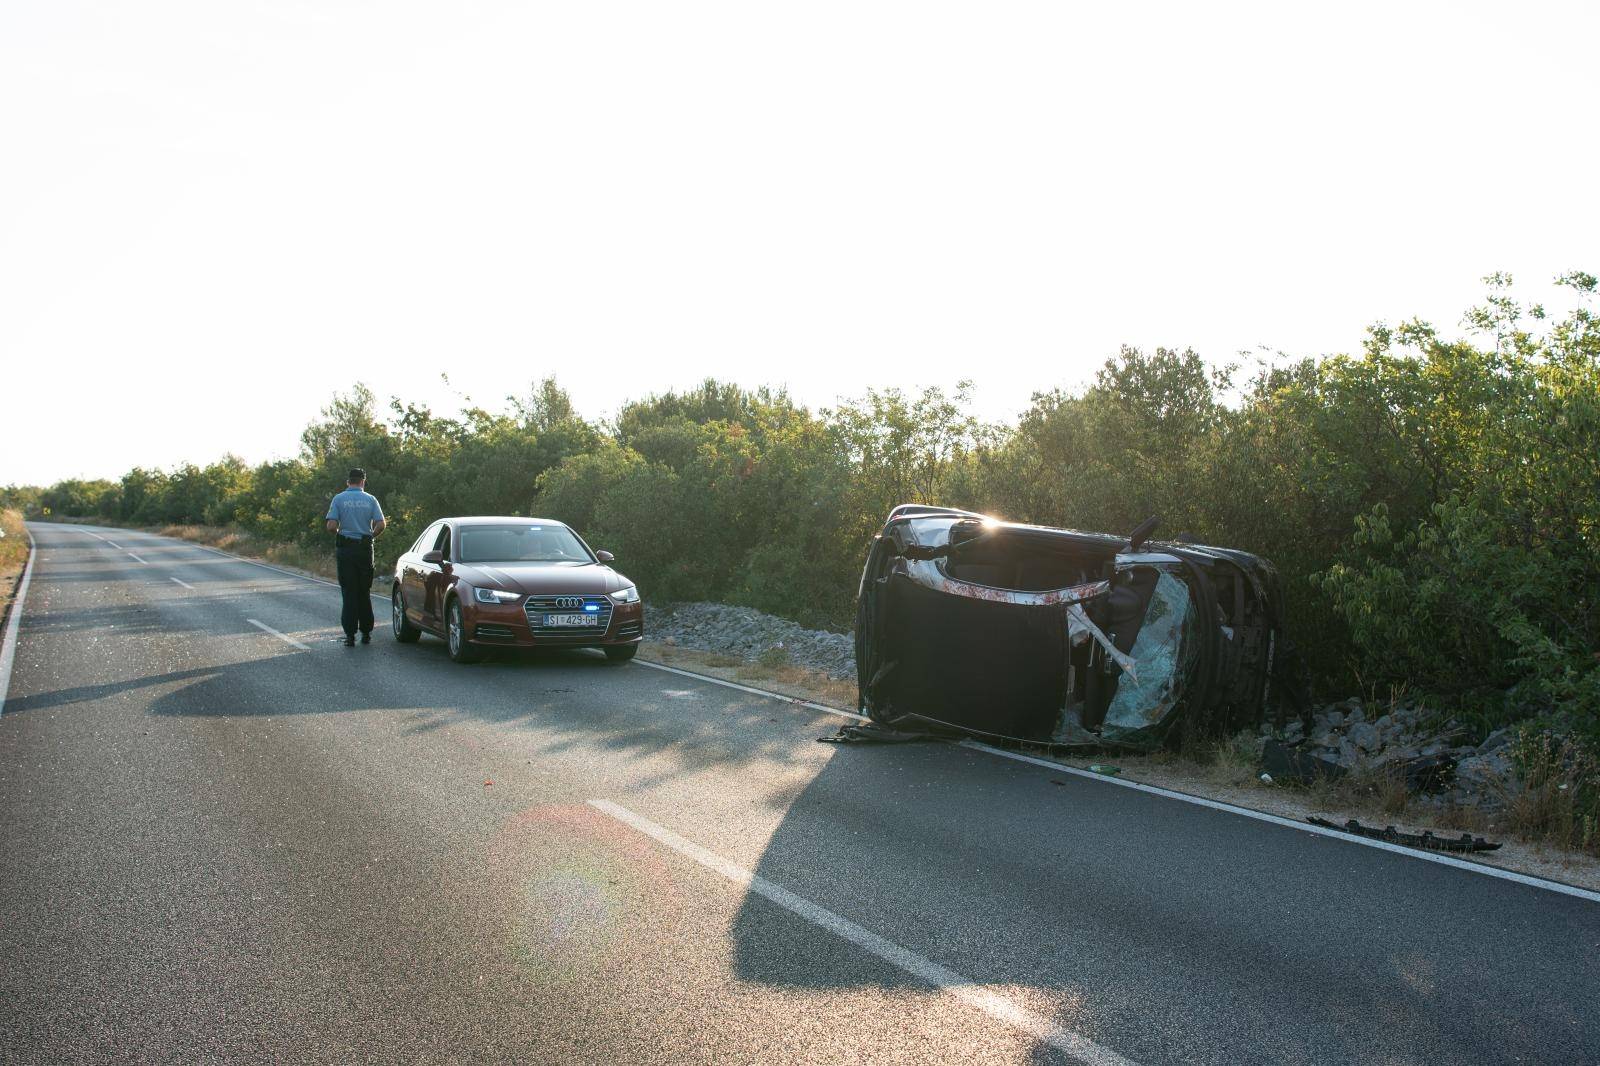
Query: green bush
{"points": [[1432, 504]]}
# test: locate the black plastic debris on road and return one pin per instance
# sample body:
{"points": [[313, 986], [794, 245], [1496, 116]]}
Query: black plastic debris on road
{"points": [[1425, 840]]}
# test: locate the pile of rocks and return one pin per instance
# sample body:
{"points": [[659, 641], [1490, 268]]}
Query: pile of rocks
{"points": [[1355, 737], [749, 634]]}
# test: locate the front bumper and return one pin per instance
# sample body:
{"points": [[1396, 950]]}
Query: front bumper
{"points": [[514, 625]]}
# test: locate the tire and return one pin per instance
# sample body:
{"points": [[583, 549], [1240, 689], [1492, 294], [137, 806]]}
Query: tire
{"points": [[621, 653], [404, 631], [455, 636]]}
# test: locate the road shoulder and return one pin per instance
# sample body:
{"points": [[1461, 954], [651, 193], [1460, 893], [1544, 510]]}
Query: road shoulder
{"points": [[1225, 782]]}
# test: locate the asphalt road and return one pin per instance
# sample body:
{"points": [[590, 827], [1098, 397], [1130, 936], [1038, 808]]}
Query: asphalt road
{"points": [[217, 845]]}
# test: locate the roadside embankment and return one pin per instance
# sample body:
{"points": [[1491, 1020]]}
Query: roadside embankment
{"points": [[14, 550]]}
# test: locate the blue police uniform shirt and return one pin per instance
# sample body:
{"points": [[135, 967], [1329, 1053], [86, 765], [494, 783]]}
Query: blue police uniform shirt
{"points": [[356, 510]]}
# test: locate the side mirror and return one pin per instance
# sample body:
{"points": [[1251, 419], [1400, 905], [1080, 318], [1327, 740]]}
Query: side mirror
{"points": [[605, 557], [433, 557]]}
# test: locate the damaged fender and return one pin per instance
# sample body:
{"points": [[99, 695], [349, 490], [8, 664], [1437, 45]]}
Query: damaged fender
{"points": [[969, 625]]}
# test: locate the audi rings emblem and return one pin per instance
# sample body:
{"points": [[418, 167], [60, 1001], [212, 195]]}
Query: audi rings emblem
{"points": [[569, 603]]}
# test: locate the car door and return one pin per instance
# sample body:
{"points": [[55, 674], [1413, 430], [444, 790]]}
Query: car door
{"points": [[436, 579], [412, 572]]}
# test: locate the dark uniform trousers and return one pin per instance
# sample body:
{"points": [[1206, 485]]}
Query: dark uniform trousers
{"points": [[354, 558]]}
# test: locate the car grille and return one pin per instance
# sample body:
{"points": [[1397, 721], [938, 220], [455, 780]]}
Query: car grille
{"points": [[630, 629], [490, 631], [537, 607]]}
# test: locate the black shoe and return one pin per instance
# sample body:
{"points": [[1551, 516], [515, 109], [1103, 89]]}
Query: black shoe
{"points": [[349, 640], [366, 638]]}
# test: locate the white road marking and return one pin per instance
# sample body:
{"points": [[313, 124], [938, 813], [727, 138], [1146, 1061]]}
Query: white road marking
{"points": [[281, 636], [963, 989], [1304, 827], [1184, 797], [114, 544], [766, 693], [8, 643], [276, 569], [184, 583], [136, 559], [1154, 790]]}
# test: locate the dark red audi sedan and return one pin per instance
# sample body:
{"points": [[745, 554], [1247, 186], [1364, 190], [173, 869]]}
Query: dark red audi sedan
{"points": [[513, 583]]}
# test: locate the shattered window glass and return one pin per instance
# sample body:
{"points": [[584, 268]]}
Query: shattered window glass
{"points": [[1163, 655]]}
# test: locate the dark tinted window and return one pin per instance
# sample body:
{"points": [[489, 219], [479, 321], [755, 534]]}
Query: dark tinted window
{"points": [[530, 543]]}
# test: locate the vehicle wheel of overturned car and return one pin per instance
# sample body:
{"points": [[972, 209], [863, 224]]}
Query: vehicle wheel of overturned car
{"points": [[970, 625]]}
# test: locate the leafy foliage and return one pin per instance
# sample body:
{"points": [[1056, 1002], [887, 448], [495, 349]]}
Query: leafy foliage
{"points": [[1433, 504]]}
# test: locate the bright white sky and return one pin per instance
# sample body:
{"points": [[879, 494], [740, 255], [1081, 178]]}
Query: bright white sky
{"points": [[214, 215]]}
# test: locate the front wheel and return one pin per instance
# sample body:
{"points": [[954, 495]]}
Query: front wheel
{"points": [[404, 631], [455, 635], [621, 653]]}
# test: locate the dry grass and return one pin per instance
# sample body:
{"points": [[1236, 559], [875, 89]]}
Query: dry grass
{"points": [[239, 542], [1559, 803], [14, 545], [13, 556]]}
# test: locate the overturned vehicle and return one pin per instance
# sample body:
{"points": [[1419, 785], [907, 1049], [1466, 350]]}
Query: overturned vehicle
{"points": [[971, 625]]}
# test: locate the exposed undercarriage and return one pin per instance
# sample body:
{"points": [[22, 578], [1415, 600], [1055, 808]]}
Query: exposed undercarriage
{"points": [[1056, 636]]}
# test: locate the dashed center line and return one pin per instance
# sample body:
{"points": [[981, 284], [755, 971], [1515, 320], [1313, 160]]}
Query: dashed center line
{"points": [[136, 559], [113, 543], [963, 989], [184, 583], [281, 636]]}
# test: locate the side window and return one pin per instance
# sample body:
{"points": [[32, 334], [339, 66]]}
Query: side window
{"points": [[425, 542], [443, 543]]}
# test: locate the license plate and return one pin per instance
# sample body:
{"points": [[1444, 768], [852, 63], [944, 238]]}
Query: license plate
{"points": [[571, 619]]}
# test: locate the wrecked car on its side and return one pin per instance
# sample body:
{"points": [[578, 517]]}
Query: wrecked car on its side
{"points": [[973, 625]]}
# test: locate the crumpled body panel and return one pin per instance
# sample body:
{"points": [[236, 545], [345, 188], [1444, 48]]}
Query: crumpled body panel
{"points": [[973, 626]]}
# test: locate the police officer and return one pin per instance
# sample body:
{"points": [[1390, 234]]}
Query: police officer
{"points": [[355, 518]]}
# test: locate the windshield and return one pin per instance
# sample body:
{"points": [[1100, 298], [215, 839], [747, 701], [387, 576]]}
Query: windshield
{"points": [[541, 543]]}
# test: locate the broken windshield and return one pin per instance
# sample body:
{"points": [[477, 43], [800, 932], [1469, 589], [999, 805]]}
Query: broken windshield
{"points": [[1163, 655]]}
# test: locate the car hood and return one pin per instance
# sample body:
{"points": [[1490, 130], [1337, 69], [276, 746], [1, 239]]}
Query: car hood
{"points": [[544, 579]]}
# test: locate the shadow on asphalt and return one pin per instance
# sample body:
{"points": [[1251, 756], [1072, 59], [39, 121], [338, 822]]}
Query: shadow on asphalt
{"points": [[1167, 933]]}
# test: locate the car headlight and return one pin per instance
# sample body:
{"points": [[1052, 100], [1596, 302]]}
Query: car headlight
{"points": [[494, 596], [627, 595]]}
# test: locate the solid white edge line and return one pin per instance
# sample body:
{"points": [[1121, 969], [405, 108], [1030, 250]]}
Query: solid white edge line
{"points": [[136, 559], [269, 566], [184, 583], [766, 693], [1290, 823], [963, 989], [1261, 816], [281, 636], [1184, 797], [8, 643]]}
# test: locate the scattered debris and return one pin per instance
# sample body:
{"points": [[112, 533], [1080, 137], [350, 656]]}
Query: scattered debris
{"points": [[1291, 764], [1102, 768], [1424, 840], [870, 733]]}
